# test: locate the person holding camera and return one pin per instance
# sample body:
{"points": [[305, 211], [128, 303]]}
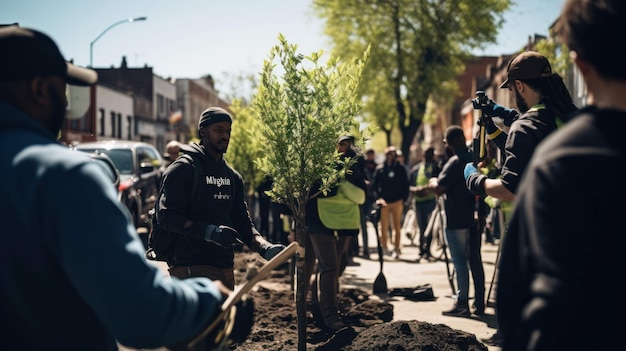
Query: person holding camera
{"points": [[542, 99], [564, 253], [207, 231]]}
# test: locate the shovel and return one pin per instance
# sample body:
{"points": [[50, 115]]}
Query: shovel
{"points": [[380, 283]]}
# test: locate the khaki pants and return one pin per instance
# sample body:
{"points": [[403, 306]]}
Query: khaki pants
{"points": [[395, 209]]}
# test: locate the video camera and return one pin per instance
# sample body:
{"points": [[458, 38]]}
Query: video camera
{"points": [[481, 101], [490, 109]]}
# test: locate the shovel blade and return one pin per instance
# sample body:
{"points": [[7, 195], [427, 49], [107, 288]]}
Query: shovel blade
{"points": [[380, 284]]}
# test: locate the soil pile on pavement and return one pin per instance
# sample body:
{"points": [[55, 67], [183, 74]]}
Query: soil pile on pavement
{"points": [[371, 325]]}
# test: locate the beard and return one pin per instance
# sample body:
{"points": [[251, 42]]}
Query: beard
{"points": [[220, 149], [57, 113], [521, 103]]}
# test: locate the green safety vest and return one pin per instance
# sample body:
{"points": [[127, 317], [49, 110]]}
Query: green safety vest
{"points": [[342, 211], [422, 179]]}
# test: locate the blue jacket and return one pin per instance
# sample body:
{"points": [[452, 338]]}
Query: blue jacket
{"points": [[72, 270]]}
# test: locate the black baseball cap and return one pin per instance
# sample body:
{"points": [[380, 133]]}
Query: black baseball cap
{"points": [[28, 53], [527, 65]]}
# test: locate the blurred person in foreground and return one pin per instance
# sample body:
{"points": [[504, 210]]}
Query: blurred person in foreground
{"points": [[71, 273], [562, 257]]}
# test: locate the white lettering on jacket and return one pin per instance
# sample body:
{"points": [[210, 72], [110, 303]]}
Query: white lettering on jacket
{"points": [[220, 196], [217, 181]]}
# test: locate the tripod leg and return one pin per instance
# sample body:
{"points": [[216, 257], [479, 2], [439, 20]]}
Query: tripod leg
{"points": [[444, 243], [502, 224]]}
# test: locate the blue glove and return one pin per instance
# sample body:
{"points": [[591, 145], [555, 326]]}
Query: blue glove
{"points": [[474, 180], [492, 109], [469, 170], [222, 235], [508, 115], [272, 251]]}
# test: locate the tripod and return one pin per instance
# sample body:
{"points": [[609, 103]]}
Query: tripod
{"points": [[494, 278], [435, 231]]}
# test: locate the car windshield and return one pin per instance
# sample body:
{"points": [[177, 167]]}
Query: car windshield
{"points": [[122, 158]]}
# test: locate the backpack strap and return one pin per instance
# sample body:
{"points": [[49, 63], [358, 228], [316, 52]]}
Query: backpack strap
{"points": [[198, 172]]}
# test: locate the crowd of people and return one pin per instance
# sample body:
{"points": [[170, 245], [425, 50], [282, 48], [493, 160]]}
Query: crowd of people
{"points": [[559, 171]]}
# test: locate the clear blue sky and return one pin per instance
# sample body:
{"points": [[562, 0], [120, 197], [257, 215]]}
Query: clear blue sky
{"points": [[191, 38]]}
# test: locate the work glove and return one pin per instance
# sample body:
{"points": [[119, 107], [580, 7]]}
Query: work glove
{"points": [[273, 250], [474, 180], [222, 235], [492, 109], [234, 327]]}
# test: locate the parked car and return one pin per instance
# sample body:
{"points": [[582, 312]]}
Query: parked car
{"points": [[140, 166], [107, 165]]}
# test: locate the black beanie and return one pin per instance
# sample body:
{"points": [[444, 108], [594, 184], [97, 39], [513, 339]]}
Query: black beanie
{"points": [[213, 115]]}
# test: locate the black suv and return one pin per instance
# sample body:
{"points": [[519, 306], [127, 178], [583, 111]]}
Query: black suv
{"points": [[140, 166]]}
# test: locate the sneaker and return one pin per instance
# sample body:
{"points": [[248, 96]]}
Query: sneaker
{"points": [[457, 311], [395, 253], [494, 340]]}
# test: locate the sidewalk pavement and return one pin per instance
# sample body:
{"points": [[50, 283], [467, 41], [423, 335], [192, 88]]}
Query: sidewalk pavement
{"points": [[405, 272]]}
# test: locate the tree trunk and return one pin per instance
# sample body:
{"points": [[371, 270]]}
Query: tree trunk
{"points": [[301, 291]]}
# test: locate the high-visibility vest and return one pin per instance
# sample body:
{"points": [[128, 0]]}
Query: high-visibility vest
{"points": [[422, 179]]}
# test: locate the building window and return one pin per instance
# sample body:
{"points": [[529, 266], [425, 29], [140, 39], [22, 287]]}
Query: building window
{"points": [[118, 132], [129, 127], [101, 121], [160, 107], [113, 120]]}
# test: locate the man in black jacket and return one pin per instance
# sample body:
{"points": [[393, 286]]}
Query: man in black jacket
{"points": [[208, 229]]}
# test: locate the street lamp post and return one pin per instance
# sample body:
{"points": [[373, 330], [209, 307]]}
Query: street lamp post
{"points": [[133, 19]]}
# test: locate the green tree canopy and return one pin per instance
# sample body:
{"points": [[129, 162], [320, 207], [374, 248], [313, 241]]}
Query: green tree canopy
{"points": [[416, 46], [245, 146]]}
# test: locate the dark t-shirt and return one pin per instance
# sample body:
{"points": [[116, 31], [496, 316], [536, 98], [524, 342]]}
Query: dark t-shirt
{"points": [[563, 251], [459, 203]]}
